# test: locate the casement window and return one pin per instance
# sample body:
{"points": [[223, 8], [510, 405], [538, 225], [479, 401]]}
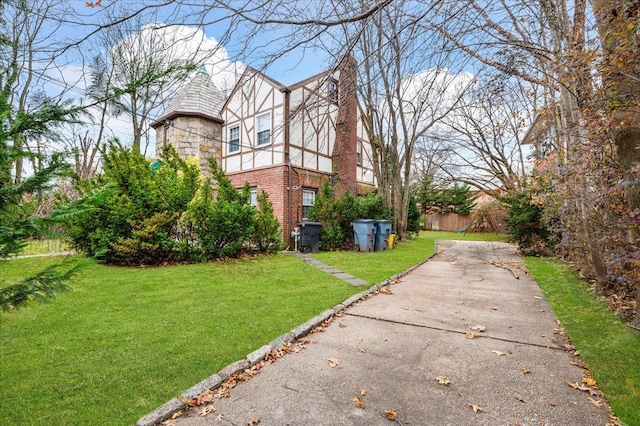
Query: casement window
{"points": [[263, 129], [308, 198], [332, 91], [359, 153], [234, 139], [254, 197]]}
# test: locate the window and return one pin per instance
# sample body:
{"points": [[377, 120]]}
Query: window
{"points": [[359, 153], [254, 197], [332, 91], [308, 198], [234, 139], [263, 129]]}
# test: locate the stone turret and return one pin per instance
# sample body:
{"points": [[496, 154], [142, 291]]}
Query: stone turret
{"points": [[192, 123]]}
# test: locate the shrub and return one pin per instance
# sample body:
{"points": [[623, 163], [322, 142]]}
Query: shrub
{"points": [[526, 223], [324, 211], [267, 237], [135, 208], [336, 216]]}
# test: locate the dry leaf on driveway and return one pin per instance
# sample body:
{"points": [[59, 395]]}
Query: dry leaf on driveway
{"points": [[499, 353], [443, 380], [253, 421], [357, 402], [333, 362], [477, 408], [391, 415], [206, 410], [596, 402], [471, 335]]}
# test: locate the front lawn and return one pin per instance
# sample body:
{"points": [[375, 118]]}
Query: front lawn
{"points": [[610, 349], [126, 340]]}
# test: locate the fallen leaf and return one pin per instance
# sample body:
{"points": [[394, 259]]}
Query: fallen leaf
{"points": [[342, 325], [596, 402], [588, 381], [477, 408], [499, 353], [443, 380], [494, 308], [526, 371], [357, 402], [362, 350], [385, 290], [333, 362], [479, 328], [363, 392], [471, 335], [206, 410], [253, 421], [582, 388], [391, 415]]}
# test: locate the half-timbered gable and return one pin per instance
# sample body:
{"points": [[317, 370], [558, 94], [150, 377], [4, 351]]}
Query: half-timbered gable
{"points": [[313, 113], [253, 116]]}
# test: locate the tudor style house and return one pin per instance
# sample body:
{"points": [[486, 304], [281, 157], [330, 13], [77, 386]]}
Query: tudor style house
{"points": [[286, 140]]}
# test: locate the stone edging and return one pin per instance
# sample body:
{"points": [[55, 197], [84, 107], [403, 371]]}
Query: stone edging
{"points": [[166, 410]]}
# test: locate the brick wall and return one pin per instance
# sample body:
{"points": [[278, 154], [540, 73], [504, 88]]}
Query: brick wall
{"points": [[273, 180], [344, 152]]}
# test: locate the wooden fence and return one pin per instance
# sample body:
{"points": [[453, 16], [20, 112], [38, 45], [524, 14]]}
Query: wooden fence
{"points": [[445, 221]]}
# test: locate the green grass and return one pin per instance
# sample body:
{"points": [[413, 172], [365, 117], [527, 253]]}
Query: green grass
{"points": [[610, 349], [125, 340]]}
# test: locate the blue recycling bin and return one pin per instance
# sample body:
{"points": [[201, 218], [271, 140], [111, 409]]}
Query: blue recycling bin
{"points": [[383, 230], [309, 236], [364, 234]]}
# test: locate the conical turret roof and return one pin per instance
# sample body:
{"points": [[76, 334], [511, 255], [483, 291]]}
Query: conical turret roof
{"points": [[199, 98]]}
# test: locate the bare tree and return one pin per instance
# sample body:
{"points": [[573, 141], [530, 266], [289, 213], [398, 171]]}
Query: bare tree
{"points": [[485, 135], [25, 57], [406, 87], [139, 70]]}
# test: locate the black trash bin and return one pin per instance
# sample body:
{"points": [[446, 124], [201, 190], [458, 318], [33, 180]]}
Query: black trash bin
{"points": [[309, 236], [383, 230]]}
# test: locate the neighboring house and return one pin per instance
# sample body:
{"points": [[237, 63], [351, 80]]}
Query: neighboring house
{"points": [[285, 140]]}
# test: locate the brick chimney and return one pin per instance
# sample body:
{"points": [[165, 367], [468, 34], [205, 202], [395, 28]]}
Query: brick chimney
{"points": [[344, 150]]}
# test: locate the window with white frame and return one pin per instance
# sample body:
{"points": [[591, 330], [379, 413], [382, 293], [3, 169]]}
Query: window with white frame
{"points": [[308, 199], [254, 197], [263, 129], [234, 139], [359, 153]]}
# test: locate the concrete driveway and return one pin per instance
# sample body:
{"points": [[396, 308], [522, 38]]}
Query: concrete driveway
{"points": [[412, 355]]}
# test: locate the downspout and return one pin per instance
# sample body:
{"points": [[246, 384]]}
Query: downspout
{"points": [[287, 92]]}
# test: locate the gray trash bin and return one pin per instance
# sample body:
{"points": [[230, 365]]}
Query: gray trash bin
{"points": [[383, 230], [310, 236], [364, 233]]}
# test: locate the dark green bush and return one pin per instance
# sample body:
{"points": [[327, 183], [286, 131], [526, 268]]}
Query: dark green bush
{"points": [[526, 223], [267, 237], [135, 222], [336, 216]]}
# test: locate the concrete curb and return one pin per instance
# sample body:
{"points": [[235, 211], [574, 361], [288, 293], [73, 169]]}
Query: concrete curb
{"points": [[166, 410]]}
